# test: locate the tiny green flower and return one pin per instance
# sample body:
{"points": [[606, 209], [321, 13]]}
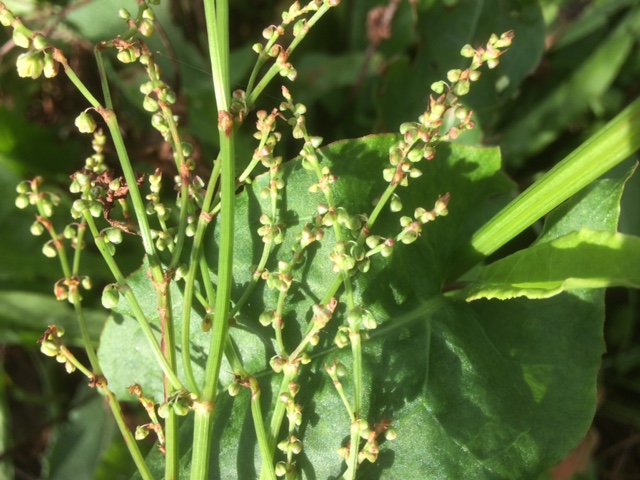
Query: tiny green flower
{"points": [[22, 201], [49, 250], [30, 65], [6, 17], [40, 42], [20, 39], [50, 66], [85, 123], [142, 431], [147, 28], [110, 296]]}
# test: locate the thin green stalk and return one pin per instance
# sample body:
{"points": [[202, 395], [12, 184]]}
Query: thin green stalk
{"points": [[129, 440], [71, 75], [254, 280], [612, 144], [133, 303], [256, 407], [172, 452], [189, 287]]}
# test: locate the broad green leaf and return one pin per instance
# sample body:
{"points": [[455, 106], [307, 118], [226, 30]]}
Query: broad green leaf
{"points": [[24, 317], [584, 259], [483, 390]]}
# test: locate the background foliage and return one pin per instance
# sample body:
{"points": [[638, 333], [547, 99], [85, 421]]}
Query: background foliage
{"points": [[572, 68]]}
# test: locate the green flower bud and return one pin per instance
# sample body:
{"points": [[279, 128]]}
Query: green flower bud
{"points": [[342, 339], [141, 432], [124, 14], [69, 367], [146, 27], [95, 209], [438, 87], [146, 88], [127, 55], [454, 75], [150, 104], [396, 203], [181, 407], [86, 283], [281, 469], [163, 410], [6, 18], [296, 446], [283, 445], [467, 51], [50, 66], [391, 434], [30, 65], [114, 235], [233, 389], [36, 229], [148, 14], [20, 39], [40, 42], [110, 297], [49, 250], [369, 322], [49, 348], [22, 201], [462, 87], [85, 123]]}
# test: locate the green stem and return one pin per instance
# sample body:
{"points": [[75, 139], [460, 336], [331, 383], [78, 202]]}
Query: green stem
{"points": [[256, 408], [254, 279], [217, 34], [253, 95], [172, 453]]}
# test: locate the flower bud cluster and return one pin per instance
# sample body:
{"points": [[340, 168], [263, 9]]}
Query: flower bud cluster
{"points": [[68, 288], [358, 318], [420, 138], [84, 181], [143, 23], [291, 445], [349, 257], [39, 59], [29, 194], [179, 402], [142, 431], [371, 448], [270, 231], [273, 32], [301, 26], [51, 346]]}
